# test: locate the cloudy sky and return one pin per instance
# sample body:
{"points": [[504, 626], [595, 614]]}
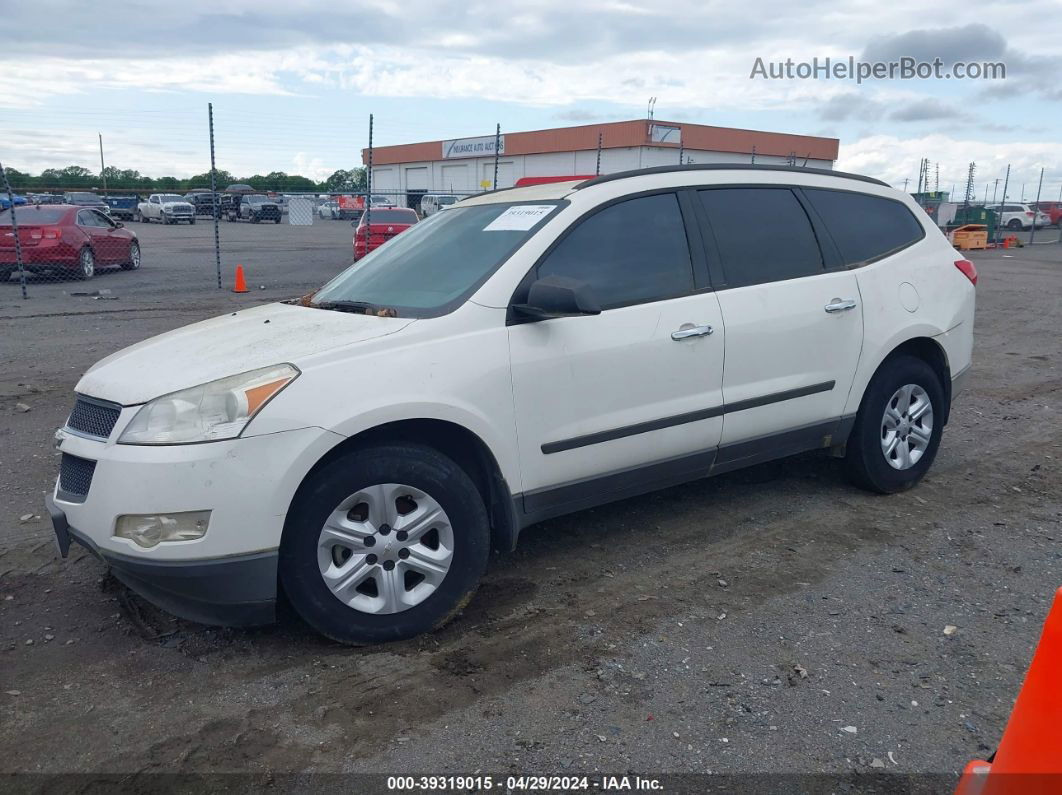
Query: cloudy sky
{"points": [[293, 82]]}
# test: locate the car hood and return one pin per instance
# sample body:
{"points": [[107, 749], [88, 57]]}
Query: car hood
{"points": [[227, 345], [175, 205]]}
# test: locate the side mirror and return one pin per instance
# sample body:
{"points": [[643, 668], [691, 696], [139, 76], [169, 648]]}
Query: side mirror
{"points": [[558, 296], [118, 224]]}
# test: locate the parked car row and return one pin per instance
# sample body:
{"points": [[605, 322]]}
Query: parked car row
{"points": [[67, 240]]}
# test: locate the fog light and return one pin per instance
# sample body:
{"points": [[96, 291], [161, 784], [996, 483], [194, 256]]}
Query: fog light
{"points": [[148, 530]]}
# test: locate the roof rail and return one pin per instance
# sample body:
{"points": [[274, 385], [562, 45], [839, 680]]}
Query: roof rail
{"points": [[725, 167]]}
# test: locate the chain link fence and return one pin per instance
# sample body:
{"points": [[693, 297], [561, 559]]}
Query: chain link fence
{"points": [[116, 233]]}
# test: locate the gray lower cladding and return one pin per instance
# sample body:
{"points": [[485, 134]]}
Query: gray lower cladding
{"points": [[234, 591], [542, 504]]}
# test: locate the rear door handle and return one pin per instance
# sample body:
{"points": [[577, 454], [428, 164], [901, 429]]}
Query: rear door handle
{"points": [[837, 305], [692, 331]]}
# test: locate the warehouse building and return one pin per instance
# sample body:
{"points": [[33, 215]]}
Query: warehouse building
{"points": [[466, 165]]}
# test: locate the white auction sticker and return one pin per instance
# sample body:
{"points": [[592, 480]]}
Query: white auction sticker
{"points": [[519, 218]]}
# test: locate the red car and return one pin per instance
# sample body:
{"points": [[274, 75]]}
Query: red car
{"points": [[386, 223], [63, 238], [1053, 210]]}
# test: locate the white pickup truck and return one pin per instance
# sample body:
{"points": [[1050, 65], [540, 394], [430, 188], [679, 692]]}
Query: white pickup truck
{"points": [[167, 208]]}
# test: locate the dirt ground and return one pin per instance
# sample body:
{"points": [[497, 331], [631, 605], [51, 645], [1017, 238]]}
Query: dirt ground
{"points": [[771, 620]]}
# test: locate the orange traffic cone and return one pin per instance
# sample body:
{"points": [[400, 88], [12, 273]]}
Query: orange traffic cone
{"points": [[1029, 758], [241, 283]]}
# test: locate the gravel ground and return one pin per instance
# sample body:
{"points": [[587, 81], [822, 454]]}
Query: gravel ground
{"points": [[771, 620]]}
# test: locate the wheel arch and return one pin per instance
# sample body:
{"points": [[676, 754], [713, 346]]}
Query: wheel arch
{"points": [[455, 441], [932, 353]]}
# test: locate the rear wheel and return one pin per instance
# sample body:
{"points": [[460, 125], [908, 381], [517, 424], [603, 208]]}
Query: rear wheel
{"points": [[86, 264], [5, 274], [898, 428], [133, 262], [276, 220], [384, 544]]}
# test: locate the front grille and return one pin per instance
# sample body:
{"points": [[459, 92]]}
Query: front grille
{"points": [[93, 417], [75, 476]]}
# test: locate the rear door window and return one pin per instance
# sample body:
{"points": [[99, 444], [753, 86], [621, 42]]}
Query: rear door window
{"points": [[629, 253], [762, 235], [864, 227]]}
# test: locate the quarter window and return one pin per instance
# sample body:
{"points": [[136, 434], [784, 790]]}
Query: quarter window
{"points": [[865, 227], [629, 253], [762, 234]]}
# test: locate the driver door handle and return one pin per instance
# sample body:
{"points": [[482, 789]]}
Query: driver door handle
{"points": [[692, 331], [837, 305]]}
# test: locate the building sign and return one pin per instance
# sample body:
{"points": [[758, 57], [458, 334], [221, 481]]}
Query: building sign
{"points": [[665, 134], [472, 147]]}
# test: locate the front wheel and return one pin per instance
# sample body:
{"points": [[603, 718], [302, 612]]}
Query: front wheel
{"points": [[1014, 224], [276, 220], [383, 544], [133, 263], [254, 218], [898, 428]]}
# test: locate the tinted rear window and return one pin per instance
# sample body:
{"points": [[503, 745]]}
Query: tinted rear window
{"points": [[32, 216], [865, 227], [763, 235]]}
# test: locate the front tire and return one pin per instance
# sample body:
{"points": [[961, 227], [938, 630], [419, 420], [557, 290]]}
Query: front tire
{"points": [[383, 544], [1014, 224], [898, 428]]}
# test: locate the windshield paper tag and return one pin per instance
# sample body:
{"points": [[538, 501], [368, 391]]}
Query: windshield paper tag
{"points": [[519, 218]]}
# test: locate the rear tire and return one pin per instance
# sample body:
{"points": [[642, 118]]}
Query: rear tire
{"points": [[5, 274], [895, 440], [86, 265], [375, 607], [133, 263]]}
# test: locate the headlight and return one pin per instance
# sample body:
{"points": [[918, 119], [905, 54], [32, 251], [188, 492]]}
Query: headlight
{"points": [[209, 412]]}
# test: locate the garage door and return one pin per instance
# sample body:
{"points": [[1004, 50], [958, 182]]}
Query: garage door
{"points": [[505, 175], [417, 178], [454, 178]]}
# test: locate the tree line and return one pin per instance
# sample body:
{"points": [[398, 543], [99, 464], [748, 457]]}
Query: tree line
{"points": [[126, 179]]}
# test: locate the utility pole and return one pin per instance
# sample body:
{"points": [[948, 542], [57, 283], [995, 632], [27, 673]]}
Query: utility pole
{"points": [[753, 154], [1003, 198], [905, 181], [1036, 208], [103, 168], [597, 171]]}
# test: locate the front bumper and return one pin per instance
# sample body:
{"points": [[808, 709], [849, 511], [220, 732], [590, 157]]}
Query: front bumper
{"points": [[235, 591]]}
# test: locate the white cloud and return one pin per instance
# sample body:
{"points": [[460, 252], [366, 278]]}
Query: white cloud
{"points": [[893, 159]]}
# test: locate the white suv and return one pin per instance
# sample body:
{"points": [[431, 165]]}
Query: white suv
{"points": [[1022, 216], [527, 353]]}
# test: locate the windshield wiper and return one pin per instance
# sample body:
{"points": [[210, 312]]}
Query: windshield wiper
{"points": [[357, 307]]}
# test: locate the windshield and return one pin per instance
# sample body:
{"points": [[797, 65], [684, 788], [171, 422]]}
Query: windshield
{"points": [[257, 198], [430, 269], [82, 197], [447, 199], [170, 197], [393, 217]]}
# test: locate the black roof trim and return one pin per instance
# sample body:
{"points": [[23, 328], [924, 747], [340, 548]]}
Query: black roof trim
{"points": [[825, 172]]}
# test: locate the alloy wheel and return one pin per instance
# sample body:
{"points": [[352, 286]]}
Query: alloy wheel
{"points": [[87, 264], [906, 426]]}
